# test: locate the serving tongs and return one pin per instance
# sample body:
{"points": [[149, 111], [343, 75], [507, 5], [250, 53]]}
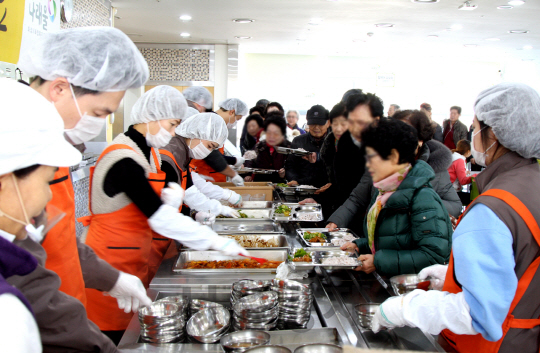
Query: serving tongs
{"points": [[260, 260]]}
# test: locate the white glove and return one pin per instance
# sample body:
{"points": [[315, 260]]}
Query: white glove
{"points": [[233, 198], [205, 217], [207, 178], [200, 202], [229, 212], [239, 162], [229, 247], [130, 293], [437, 275], [237, 180], [173, 195]]}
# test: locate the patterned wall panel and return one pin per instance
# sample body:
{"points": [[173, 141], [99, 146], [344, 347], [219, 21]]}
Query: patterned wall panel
{"points": [[88, 13], [177, 64]]}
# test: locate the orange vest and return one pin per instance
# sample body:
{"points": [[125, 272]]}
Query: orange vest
{"points": [[200, 167], [476, 343], [123, 238], [61, 241], [160, 244]]}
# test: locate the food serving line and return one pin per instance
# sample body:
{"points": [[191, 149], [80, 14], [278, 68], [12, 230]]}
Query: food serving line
{"points": [[336, 293]]}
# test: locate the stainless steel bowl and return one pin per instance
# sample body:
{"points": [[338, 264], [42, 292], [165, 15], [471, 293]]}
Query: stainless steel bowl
{"points": [[365, 314], [208, 325], [246, 287], [269, 349], [289, 285], [256, 315], [159, 310], [238, 325], [241, 341], [318, 348], [161, 323], [259, 302], [404, 284]]}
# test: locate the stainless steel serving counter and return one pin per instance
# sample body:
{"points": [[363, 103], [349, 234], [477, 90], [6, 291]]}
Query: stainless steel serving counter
{"points": [[335, 295]]}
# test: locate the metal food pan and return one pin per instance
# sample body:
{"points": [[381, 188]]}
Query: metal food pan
{"points": [[257, 214], [329, 236], [253, 205], [281, 240], [186, 256], [239, 225], [289, 190]]}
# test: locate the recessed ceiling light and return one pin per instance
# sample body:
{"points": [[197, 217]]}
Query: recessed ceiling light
{"points": [[505, 7], [185, 34], [527, 47], [470, 45], [516, 2], [242, 37], [518, 31], [424, 1], [493, 39], [315, 21], [243, 20], [384, 25], [433, 36], [185, 18]]}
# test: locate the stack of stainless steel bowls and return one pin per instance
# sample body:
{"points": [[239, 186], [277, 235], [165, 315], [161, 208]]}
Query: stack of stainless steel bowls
{"points": [[182, 302], [196, 305], [162, 323], [256, 312], [209, 325], [247, 287], [295, 301]]}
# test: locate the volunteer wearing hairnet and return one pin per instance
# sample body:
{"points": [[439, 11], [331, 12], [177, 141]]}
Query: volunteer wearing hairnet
{"points": [[489, 301], [126, 207], [31, 148], [84, 72], [199, 98], [215, 166]]}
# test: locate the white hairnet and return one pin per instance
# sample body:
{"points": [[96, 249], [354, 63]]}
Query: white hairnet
{"points": [[159, 103], [199, 95], [190, 112], [513, 112], [95, 58], [239, 107], [204, 126]]}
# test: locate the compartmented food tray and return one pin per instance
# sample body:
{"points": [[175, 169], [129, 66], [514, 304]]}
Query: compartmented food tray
{"points": [[296, 151], [305, 190], [258, 241], [287, 190], [186, 256], [240, 225], [298, 213], [319, 255], [252, 215], [333, 239]]}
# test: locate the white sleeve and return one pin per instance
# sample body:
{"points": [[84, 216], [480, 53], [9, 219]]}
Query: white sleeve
{"points": [[434, 311], [168, 222], [212, 191], [196, 200], [18, 329]]}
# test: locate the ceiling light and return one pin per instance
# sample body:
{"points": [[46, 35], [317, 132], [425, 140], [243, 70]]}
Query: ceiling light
{"points": [[518, 31], [470, 45], [516, 2], [424, 1], [493, 39], [527, 47], [242, 37], [467, 6], [243, 20], [185, 34], [315, 21], [505, 7], [185, 18], [384, 25]]}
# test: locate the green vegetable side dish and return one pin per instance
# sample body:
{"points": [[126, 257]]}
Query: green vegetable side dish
{"points": [[312, 235], [300, 253], [283, 185], [284, 210]]}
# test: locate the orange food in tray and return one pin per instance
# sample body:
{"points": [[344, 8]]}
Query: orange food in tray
{"points": [[233, 264]]}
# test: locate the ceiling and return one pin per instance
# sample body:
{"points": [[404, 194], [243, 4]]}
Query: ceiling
{"points": [[282, 26]]}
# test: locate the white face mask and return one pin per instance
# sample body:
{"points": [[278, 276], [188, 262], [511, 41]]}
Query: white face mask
{"points": [[35, 234], [480, 157], [161, 139], [233, 124], [86, 129], [199, 152]]}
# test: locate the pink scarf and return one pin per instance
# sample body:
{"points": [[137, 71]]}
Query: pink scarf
{"points": [[386, 188]]}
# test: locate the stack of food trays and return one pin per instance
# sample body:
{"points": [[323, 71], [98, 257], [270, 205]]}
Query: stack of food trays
{"points": [[330, 259], [321, 237], [295, 301], [257, 311], [294, 212]]}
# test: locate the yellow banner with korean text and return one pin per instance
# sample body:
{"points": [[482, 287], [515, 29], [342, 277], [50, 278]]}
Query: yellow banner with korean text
{"points": [[11, 29]]}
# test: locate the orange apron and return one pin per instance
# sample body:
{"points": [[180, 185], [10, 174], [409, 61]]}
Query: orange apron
{"points": [[202, 168], [160, 244], [61, 241], [476, 343], [123, 238]]}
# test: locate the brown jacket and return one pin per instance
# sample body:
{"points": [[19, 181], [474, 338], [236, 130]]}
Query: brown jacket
{"points": [[520, 177], [460, 130], [180, 150], [62, 321]]}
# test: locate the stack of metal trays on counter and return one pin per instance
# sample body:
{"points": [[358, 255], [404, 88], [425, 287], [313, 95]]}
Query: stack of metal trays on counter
{"points": [[247, 287], [295, 301], [162, 322], [256, 312], [197, 305]]}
